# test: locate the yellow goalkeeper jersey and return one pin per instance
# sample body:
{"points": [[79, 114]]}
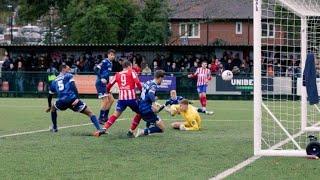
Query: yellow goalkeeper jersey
{"points": [[191, 116]]}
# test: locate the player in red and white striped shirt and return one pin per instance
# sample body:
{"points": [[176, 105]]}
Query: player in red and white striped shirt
{"points": [[203, 75], [127, 81]]}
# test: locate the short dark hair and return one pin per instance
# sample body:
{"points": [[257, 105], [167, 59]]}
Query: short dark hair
{"points": [[204, 62], [126, 64], [111, 51], [159, 74], [62, 66], [184, 101]]}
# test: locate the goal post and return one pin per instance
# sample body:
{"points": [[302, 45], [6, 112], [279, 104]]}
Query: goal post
{"points": [[285, 31]]}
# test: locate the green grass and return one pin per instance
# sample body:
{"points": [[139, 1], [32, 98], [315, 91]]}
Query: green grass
{"points": [[226, 139]]}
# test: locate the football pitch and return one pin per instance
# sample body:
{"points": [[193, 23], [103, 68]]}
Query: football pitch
{"points": [[225, 141]]}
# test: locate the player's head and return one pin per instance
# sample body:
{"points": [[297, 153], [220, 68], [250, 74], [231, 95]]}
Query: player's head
{"points": [[126, 64], [173, 94], [64, 68], [204, 64], [184, 103], [158, 76], [111, 54]]}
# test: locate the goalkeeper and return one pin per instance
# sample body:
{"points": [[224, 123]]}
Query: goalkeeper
{"points": [[192, 120]]}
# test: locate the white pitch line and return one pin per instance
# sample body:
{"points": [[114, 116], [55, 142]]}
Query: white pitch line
{"points": [[46, 130], [236, 168], [79, 125]]}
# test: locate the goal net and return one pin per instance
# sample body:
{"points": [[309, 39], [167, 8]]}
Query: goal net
{"points": [[285, 32]]}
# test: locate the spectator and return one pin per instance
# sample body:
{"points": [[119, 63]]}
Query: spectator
{"points": [[214, 66], [146, 70], [224, 61], [74, 68], [42, 64], [155, 66], [244, 69], [11, 77], [174, 68], [235, 70], [6, 67], [184, 71], [193, 69], [136, 68], [20, 76], [221, 69], [236, 61], [229, 65], [167, 67], [6, 63]]}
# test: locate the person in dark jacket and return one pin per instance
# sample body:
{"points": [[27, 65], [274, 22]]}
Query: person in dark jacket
{"points": [[310, 79]]}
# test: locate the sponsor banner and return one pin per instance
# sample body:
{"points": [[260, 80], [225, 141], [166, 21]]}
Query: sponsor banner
{"points": [[168, 83], [86, 83], [242, 83]]}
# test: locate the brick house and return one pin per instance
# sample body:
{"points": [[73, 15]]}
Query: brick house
{"points": [[211, 22]]}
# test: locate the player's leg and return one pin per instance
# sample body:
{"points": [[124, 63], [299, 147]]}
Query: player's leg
{"points": [[54, 116], [120, 107], [202, 90], [79, 106], [156, 125], [134, 124], [133, 104], [176, 125], [58, 105], [106, 104]]}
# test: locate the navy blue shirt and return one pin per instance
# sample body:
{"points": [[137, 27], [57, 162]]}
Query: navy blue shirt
{"points": [[64, 87], [174, 101], [103, 70], [147, 97]]}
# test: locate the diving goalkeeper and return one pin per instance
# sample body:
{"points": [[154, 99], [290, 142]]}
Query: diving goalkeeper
{"points": [[192, 120]]}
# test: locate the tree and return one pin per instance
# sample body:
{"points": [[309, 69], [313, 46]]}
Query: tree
{"points": [[151, 23], [31, 10], [102, 21]]}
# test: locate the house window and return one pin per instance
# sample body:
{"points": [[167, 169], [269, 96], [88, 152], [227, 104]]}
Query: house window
{"points": [[268, 30], [238, 27], [189, 30]]}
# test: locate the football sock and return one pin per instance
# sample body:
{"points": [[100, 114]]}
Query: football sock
{"points": [[101, 116], [95, 122], [106, 114], [135, 122], [110, 121], [54, 119], [201, 111], [151, 130], [204, 101]]}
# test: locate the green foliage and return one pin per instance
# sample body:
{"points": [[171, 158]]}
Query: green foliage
{"points": [[98, 21], [103, 21], [151, 24]]}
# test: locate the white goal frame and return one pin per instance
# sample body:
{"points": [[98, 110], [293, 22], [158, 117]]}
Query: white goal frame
{"points": [[258, 102]]}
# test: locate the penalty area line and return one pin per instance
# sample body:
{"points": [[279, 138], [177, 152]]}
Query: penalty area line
{"points": [[235, 168], [47, 130]]}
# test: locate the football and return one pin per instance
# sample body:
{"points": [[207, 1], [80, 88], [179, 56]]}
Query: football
{"points": [[227, 75]]}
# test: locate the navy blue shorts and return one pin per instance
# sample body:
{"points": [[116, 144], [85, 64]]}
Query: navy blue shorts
{"points": [[62, 105], [101, 89], [123, 104], [150, 117], [202, 89]]}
